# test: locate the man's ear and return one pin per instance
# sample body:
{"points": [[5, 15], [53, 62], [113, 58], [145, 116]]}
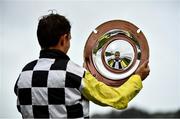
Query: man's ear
{"points": [[65, 36], [62, 39]]}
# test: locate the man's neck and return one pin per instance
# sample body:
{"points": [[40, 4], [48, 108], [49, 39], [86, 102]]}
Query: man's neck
{"points": [[57, 48]]}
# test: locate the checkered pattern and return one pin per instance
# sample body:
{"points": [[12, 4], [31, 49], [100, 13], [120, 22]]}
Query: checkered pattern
{"points": [[50, 88]]}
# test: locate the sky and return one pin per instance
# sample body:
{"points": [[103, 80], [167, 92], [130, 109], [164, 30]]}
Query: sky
{"points": [[158, 19]]}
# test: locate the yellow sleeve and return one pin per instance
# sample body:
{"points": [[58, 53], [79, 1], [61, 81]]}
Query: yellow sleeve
{"points": [[123, 64], [117, 97]]}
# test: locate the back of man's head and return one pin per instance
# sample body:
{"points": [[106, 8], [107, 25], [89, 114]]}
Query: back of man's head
{"points": [[50, 28]]}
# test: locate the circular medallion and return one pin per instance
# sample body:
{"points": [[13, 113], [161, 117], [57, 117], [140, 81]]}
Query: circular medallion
{"points": [[114, 50]]}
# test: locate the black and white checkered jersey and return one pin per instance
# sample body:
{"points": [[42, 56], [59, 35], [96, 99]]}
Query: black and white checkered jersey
{"points": [[50, 88]]}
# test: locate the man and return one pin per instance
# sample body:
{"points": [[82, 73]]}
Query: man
{"points": [[53, 86], [117, 62]]}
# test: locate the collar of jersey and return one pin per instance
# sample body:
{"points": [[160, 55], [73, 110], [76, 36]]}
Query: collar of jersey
{"points": [[53, 53]]}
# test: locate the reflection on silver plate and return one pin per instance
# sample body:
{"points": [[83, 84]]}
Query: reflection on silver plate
{"points": [[119, 47], [114, 50], [119, 54]]}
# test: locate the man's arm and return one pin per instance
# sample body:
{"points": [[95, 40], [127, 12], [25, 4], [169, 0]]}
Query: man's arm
{"points": [[118, 98]]}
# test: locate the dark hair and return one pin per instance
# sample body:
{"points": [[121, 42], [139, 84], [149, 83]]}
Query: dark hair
{"points": [[50, 28]]}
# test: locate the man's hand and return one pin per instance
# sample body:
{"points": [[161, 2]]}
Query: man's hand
{"points": [[143, 70]]}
